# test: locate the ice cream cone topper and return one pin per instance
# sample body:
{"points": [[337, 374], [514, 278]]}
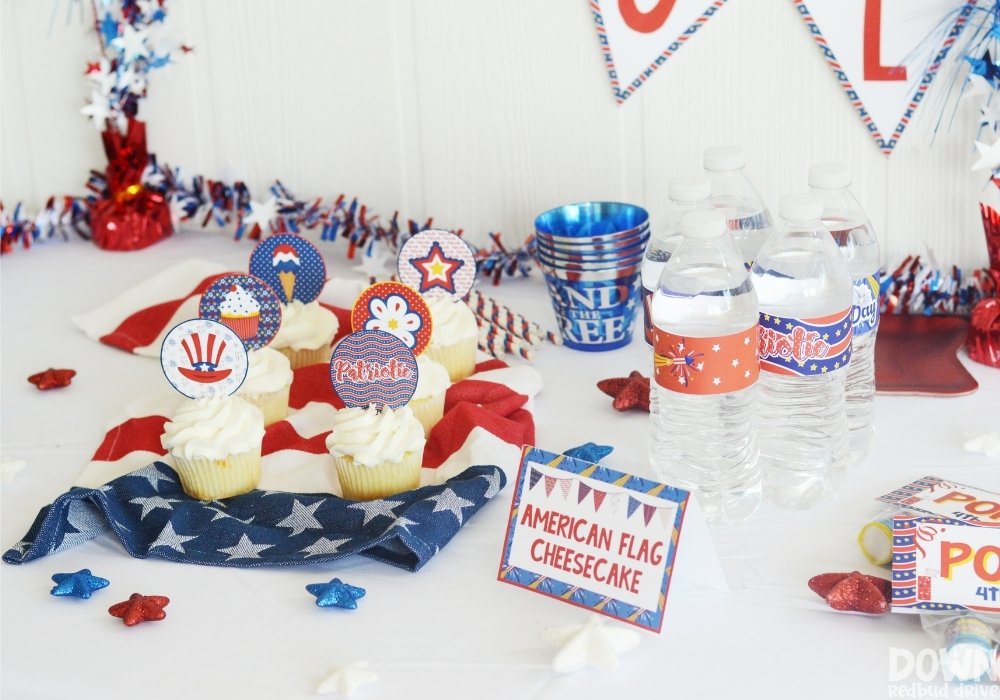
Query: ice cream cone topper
{"points": [[246, 305], [291, 265]]}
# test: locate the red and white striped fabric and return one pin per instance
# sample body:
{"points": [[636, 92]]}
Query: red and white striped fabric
{"points": [[487, 416]]}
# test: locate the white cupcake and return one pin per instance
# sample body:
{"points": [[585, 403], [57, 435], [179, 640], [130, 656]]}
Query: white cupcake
{"points": [[427, 403], [454, 337], [268, 382], [306, 332], [378, 453]]}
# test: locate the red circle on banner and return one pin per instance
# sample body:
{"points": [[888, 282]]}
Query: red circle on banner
{"points": [[397, 309]]}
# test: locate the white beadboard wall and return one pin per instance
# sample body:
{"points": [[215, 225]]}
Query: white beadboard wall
{"points": [[479, 113]]}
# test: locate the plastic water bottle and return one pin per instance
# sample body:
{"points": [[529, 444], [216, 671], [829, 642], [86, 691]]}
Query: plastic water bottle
{"points": [[851, 230], [705, 318], [685, 194], [733, 194], [804, 287]]}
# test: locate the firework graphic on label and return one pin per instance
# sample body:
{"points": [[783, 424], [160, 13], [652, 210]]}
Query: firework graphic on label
{"points": [[203, 358], [291, 265], [397, 309], [437, 263], [679, 363], [373, 368], [245, 304], [704, 366]]}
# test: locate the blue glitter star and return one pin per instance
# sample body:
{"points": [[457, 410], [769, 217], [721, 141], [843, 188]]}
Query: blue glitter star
{"points": [[336, 594], [109, 28], [81, 584], [590, 452]]}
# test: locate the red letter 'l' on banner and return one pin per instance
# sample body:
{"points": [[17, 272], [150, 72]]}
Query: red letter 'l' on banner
{"points": [[649, 22], [874, 70]]}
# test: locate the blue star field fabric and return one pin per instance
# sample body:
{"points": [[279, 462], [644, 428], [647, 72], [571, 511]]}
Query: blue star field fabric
{"points": [[151, 515]]}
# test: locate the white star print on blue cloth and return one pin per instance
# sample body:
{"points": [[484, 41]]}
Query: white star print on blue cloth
{"points": [[152, 516]]}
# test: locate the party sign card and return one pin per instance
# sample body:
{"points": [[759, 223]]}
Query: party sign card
{"points": [[593, 537], [948, 499], [941, 564]]}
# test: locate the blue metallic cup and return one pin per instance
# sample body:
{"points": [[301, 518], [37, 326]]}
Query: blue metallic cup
{"points": [[625, 253], [591, 222]]}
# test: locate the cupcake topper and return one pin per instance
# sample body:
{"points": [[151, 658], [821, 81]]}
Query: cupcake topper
{"points": [[291, 265], [437, 263], [397, 309], [202, 358], [246, 305], [373, 367]]}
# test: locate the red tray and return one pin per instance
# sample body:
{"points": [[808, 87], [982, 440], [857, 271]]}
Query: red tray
{"points": [[917, 355]]}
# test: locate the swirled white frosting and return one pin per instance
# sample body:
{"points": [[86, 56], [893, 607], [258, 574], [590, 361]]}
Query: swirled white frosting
{"points": [[305, 326], [213, 428], [239, 302], [268, 371], [371, 438], [432, 378], [453, 321]]}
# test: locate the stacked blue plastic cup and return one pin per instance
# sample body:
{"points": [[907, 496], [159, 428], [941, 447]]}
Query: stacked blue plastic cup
{"points": [[591, 255]]}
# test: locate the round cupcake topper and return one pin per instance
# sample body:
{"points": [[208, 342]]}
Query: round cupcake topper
{"points": [[246, 305], [437, 263], [373, 367], [203, 358], [397, 309], [291, 265]]}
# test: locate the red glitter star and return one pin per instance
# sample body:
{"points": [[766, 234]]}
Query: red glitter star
{"points": [[854, 591], [629, 392], [140, 608], [52, 378]]}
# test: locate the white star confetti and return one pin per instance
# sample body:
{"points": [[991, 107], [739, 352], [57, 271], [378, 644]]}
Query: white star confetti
{"points": [[590, 644], [982, 443], [989, 156], [262, 214], [132, 43], [347, 679], [98, 109], [9, 468]]}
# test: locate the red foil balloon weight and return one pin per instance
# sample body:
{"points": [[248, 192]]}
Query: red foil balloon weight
{"points": [[131, 217]]}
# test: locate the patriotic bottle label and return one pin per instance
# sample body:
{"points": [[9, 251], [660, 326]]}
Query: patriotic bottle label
{"points": [[865, 312], [703, 366], [805, 347]]}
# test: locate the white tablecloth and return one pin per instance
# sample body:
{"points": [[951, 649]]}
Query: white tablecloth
{"points": [[450, 630]]}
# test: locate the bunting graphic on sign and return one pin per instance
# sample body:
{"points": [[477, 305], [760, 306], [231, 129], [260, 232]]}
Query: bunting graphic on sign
{"points": [[610, 501], [885, 53], [637, 37]]}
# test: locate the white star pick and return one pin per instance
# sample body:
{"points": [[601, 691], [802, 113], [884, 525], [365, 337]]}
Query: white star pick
{"points": [[450, 501], [374, 509], [989, 156], [347, 679], [589, 644], [301, 518], [324, 546], [373, 262], [9, 468], [169, 538], [98, 109], [983, 443], [131, 43], [244, 549], [131, 81], [262, 213]]}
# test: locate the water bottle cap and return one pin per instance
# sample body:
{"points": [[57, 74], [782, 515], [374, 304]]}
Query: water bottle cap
{"points": [[723, 158], [830, 176], [703, 224], [689, 189], [800, 207]]}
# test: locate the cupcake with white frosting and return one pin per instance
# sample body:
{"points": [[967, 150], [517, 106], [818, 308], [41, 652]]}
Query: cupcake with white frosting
{"points": [[378, 453], [268, 383], [306, 333], [427, 403], [454, 337], [215, 444]]}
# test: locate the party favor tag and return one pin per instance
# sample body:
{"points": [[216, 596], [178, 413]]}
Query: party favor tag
{"points": [[593, 537], [948, 499], [397, 309], [202, 358], [246, 305], [437, 263], [373, 367], [291, 265]]}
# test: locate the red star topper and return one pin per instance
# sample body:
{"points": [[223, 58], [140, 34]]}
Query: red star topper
{"points": [[854, 591], [629, 392], [437, 269], [140, 608], [52, 378]]}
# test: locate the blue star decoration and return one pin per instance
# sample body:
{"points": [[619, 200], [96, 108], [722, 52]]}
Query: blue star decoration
{"points": [[80, 585], [590, 452], [437, 269], [109, 28], [336, 594], [985, 67]]}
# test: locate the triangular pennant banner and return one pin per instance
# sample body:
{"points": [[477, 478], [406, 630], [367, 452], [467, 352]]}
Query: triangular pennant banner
{"points": [[550, 482], [533, 479], [648, 512], [614, 500], [581, 492], [638, 36], [564, 486], [667, 517], [632, 505], [598, 499], [885, 54]]}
